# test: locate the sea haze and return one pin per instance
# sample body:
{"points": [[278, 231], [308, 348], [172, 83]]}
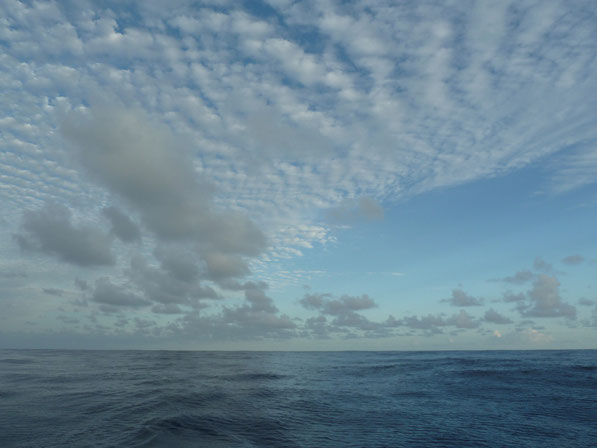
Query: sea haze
{"points": [[53, 398]]}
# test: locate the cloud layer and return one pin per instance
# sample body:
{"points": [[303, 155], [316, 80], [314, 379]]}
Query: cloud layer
{"points": [[177, 157]]}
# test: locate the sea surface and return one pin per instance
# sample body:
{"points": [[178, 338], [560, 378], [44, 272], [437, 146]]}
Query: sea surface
{"points": [[54, 398]]}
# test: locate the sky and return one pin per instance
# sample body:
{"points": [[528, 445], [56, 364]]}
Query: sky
{"points": [[298, 175]]}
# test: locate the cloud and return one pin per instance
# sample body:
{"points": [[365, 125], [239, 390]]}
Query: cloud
{"points": [[223, 266], [350, 211], [174, 282], [122, 226], [53, 291], [510, 297], [179, 263], [462, 320], [544, 300], [573, 260], [434, 323], [574, 169], [81, 284], [107, 293], [541, 265], [10, 275], [429, 322], [49, 230], [143, 163], [492, 316], [586, 302], [320, 86], [519, 278], [336, 307], [167, 308], [344, 311], [256, 318], [461, 298]]}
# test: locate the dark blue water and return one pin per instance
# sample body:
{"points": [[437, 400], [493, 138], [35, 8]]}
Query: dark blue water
{"points": [[339, 399]]}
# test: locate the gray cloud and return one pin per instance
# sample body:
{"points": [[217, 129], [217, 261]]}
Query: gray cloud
{"points": [[461, 298], [11, 275], [49, 230], [337, 307], [519, 278], [259, 301], [492, 316], [81, 284], [167, 308], [573, 260], [314, 301], [256, 318], [144, 164], [541, 265], [222, 266], [430, 322], [122, 226], [107, 293], [434, 323], [344, 310], [545, 301], [53, 291], [462, 320], [180, 264], [586, 302], [510, 297], [353, 210], [172, 283]]}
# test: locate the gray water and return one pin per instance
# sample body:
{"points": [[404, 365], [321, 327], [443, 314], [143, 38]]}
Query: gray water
{"points": [[286, 399]]}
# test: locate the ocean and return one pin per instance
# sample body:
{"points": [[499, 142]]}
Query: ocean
{"points": [[55, 398]]}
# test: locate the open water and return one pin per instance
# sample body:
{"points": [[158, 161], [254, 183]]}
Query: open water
{"points": [[287, 399]]}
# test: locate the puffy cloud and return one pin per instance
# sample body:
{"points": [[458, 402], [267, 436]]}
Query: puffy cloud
{"points": [[430, 322], [49, 230], [344, 310], [462, 320], [144, 164], [256, 318], [336, 307], [222, 266], [573, 260], [259, 301], [122, 226], [461, 298], [434, 323], [174, 282], [544, 300], [492, 316], [314, 301], [178, 262]]}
